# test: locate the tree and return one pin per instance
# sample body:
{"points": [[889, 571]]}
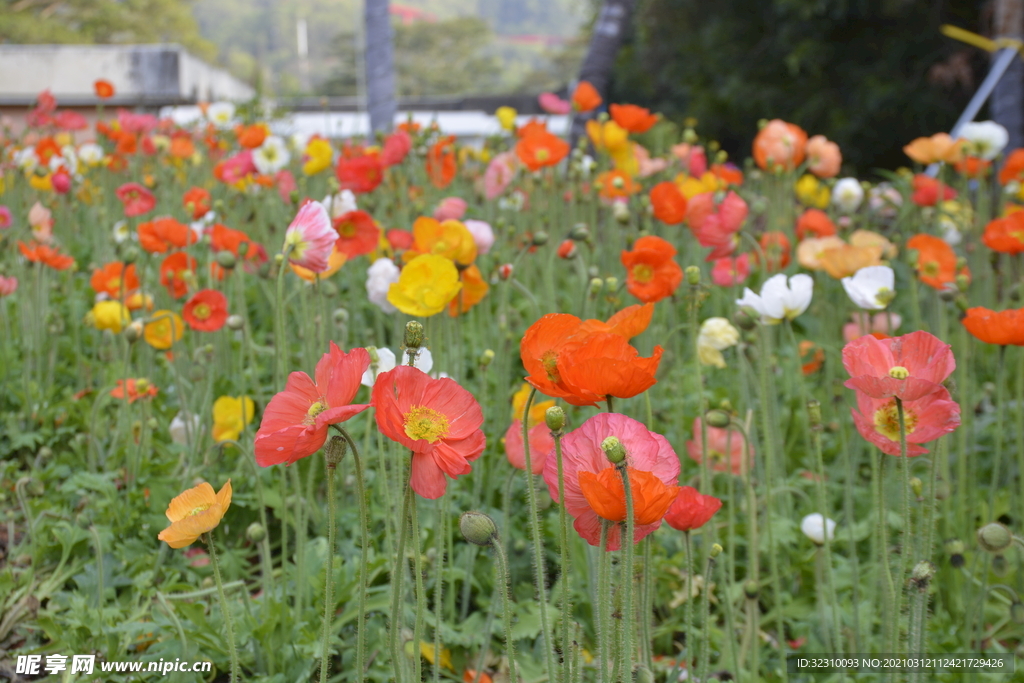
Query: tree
{"points": [[380, 66], [1007, 102], [606, 37]]}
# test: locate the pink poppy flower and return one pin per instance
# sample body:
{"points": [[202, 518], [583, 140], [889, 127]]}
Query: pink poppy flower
{"points": [[482, 234], [691, 510], [136, 123], [236, 168], [582, 455], [436, 419], [396, 147], [71, 120], [926, 419], [499, 174], [61, 182], [908, 367], [8, 285], [714, 225], [729, 271], [296, 420], [311, 238], [725, 448], [286, 184], [541, 445], [137, 199], [6, 219], [553, 104], [877, 325], [450, 208]]}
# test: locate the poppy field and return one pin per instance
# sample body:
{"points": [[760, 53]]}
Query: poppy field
{"points": [[406, 409]]}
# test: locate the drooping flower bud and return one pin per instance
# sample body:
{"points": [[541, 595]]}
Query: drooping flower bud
{"points": [[751, 589], [478, 528], [955, 548], [922, 574], [226, 260], [334, 450]]}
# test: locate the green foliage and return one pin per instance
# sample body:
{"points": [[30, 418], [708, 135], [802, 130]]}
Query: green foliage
{"points": [[869, 74]]}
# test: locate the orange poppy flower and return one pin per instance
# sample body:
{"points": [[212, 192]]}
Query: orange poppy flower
{"points": [[335, 261], [137, 388], [606, 495], [780, 145], [633, 118], [104, 89], [163, 234], [668, 203], [930, 150], [531, 127], [195, 512], [540, 149], [252, 136], [176, 272], [996, 327], [182, 146], [652, 273], [1005, 235], [206, 311], [197, 202], [585, 97], [844, 261], [1013, 169], [114, 280], [812, 357], [814, 222], [728, 174], [776, 249], [936, 261], [616, 184], [358, 233], [48, 256], [441, 164], [451, 239], [973, 167], [474, 289]]}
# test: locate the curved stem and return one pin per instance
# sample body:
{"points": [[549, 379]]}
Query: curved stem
{"points": [[235, 674]]}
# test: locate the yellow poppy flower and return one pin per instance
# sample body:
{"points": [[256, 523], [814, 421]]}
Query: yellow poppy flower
{"points": [[506, 117], [318, 156], [426, 285], [165, 328], [230, 416], [450, 239], [537, 410], [812, 192], [608, 136], [109, 315]]}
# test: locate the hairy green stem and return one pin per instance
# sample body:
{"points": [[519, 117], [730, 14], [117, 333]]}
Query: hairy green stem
{"points": [[628, 543], [325, 659], [232, 649], [563, 533]]}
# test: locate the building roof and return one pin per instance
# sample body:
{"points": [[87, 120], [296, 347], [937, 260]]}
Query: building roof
{"points": [[151, 75]]}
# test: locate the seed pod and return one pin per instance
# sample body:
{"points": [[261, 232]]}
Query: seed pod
{"points": [[554, 417], [994, 537], [478, 528], [613, 450]]}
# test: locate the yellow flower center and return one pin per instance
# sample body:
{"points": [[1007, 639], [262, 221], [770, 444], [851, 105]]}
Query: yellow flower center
{"points": [[542, 154], [887, 421], [643, 273], [199, 510], [314, 410], [931, 269], [899, 372], [550, 362], [348, 229], [201, 311], [426, 424], [114, 284], [440, 247]]}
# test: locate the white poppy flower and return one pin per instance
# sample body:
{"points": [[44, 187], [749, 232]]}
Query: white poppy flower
{"points": [[871, 288], [340, 204], [985, 139], [221, 114], [90, 154], [379, 277], [121, 231], [779, 300], [816, 527], [271, 156], [387, 360], [847, 195], [716, 335], [183, 429]]}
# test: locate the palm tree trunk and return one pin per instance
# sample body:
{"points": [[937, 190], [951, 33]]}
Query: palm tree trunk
{"points": [[605, 41], [380, 66], [1007, 103]]}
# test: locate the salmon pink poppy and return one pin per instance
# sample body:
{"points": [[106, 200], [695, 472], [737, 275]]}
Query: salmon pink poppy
{"points": [[206, 311], [925, 419], [589, 479], [296, 420], [160, 235], [396, 148], [729, 271], [995, 327], [907, 367], [1006, 235], [651, 271], [823, 157], [436, 419], [177, 271], [668, 203], [691, 510], [633, 118], [136, 199], [310, 238], [715, 225], [725, 448], [553, 104], [358, 233], [541, 445], [780, 145], [360, 174]]}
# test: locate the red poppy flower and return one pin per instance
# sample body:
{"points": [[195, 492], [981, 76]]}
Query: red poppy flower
{"points": [[926, 190], [995, 327], [567, 249], [668, 203], [593, 486], [925, 419], [206, 311], [440, 162], [296, 420], [104, 89], [814, 222], [358, 233], [585, 97], [161, 235], [907, 367], [196, 202], [936, 261], [396, 147], [633, 118], [137, 199], [48, 256], [584, 362], [176, 272], [973, 167], [360, 174], [436, 419], [114, 280], [137, 388], [400, 240], [691, 510], [1013, 168], [652, 273], [541, 149], [1005, 235]]}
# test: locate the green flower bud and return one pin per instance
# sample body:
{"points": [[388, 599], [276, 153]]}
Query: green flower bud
{"points": [[613, 450], [486, 358], [540, 238], [478, 528], [335, 450], [917, 486], [554, 417], [255, 532], [718, 418], [580, 232], [235, 322], [716, 550], [611, 283], [414, 335], [226, 260], [994, 537], [596, 285], [922, 573], [814, 413], [692, 275], [744, 321], [751, 589]]}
